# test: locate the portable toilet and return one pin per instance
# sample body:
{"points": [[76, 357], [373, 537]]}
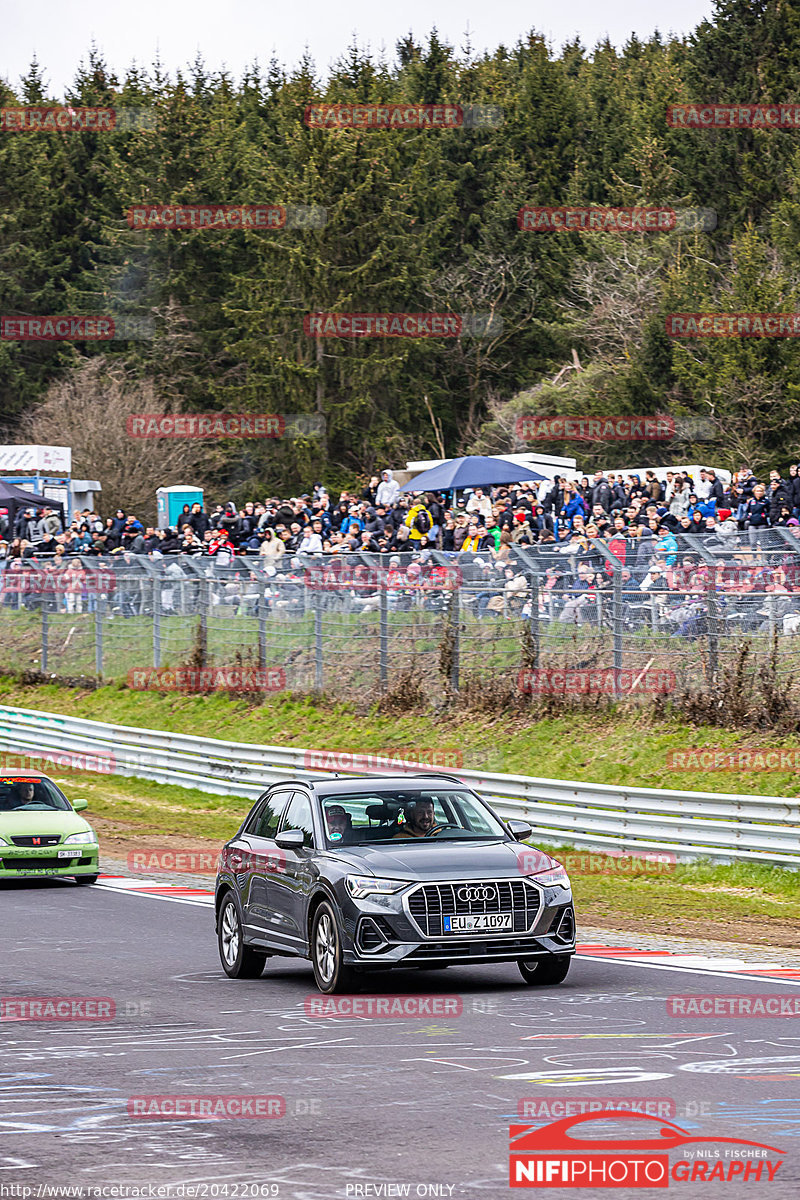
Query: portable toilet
{"points": [[170, 502]]}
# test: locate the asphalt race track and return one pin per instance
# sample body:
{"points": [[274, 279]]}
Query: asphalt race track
{"points": [[374, 1107]]}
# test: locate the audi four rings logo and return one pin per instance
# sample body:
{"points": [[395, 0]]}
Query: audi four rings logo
{"points": [[478, 892]]}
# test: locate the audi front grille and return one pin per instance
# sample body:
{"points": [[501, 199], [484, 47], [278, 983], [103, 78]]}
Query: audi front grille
{"points": [[429, 903]]}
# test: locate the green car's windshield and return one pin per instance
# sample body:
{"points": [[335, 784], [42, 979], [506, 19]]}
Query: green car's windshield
{"points": [[361, 818], [18, 794]]}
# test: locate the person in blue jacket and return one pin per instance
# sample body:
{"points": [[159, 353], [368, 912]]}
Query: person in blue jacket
{"points": [[667, 546]]}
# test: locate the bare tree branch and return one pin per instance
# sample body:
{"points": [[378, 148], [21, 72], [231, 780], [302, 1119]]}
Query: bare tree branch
{"points": [[88, 410]]}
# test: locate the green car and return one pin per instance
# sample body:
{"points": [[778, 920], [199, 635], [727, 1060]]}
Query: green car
{"points": [[41, 833]]}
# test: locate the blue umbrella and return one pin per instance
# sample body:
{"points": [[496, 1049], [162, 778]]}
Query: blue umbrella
{"points": [[473, 471]]}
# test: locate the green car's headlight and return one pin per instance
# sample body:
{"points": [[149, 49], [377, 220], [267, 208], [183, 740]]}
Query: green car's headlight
{"points": [[3, 842], [81, 838], [360, 886]]}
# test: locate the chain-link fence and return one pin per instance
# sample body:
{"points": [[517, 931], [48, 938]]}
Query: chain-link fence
{"points": [[631, 615]]}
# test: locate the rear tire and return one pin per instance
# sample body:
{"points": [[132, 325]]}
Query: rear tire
{"points": [[85, 880], [238, 960], [544, 972], [330, 973]]}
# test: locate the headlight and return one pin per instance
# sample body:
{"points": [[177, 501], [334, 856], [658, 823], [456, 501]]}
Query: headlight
{"points": [[3, 841], [360, 886], [555, 877], [82, 838]]}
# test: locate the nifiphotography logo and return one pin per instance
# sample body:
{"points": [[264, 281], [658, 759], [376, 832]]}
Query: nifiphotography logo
{"points": [[559, 1156]]}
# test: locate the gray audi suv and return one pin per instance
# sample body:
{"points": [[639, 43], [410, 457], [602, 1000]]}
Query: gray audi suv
{"points": [[362, 874]]}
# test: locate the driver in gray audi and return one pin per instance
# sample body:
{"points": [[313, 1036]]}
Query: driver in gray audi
{"points": [[419, 819]]}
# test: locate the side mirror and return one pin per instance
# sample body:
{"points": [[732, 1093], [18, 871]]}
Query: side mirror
{"points": [[79, 804], [519, 829], [291, 839]]}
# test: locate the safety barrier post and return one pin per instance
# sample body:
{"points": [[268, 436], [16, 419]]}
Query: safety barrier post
{"points": [[45, 638], [262, 624], [319, 674], [98, 636], [156, 624], [383, 665]]}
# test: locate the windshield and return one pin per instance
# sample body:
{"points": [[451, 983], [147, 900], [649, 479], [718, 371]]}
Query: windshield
{"points": [[406, 816], [18, 794]]}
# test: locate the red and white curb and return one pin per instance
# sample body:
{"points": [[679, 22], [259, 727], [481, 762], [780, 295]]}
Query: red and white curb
{"points": [[156, 890], [666, 960]]}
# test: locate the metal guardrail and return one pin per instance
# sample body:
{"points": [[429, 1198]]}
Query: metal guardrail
{"points": [[763, 829]]}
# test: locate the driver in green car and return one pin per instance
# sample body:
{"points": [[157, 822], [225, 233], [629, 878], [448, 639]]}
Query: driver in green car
{"points": [[419, 819], [25, 792]]}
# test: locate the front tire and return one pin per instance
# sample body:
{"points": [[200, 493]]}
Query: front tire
{"points": [[85, 880], [544, 972], [238, 960], [330, 973]]}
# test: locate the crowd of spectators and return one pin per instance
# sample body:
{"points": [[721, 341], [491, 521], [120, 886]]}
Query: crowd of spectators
{"points": [[639, 521]]}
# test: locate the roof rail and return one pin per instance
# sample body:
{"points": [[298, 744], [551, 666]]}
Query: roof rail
{"points": [[437, 775]]}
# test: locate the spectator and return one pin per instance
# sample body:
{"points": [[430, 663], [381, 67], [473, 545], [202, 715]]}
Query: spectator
{"points": [[574, 504], [480, 503], [310, 541], [370, 492], [703, 485], [476, 540], [756, 513], [678, 503], [778, 496], [388, 490], [667, 545], [793, 485], [652, 486], [272, 548], [419, 522], [48, 525], [461, 531], [601, 493]]}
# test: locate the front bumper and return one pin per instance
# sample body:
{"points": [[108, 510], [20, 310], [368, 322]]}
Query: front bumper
{"points": [[379, 932], [22, 862]]}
